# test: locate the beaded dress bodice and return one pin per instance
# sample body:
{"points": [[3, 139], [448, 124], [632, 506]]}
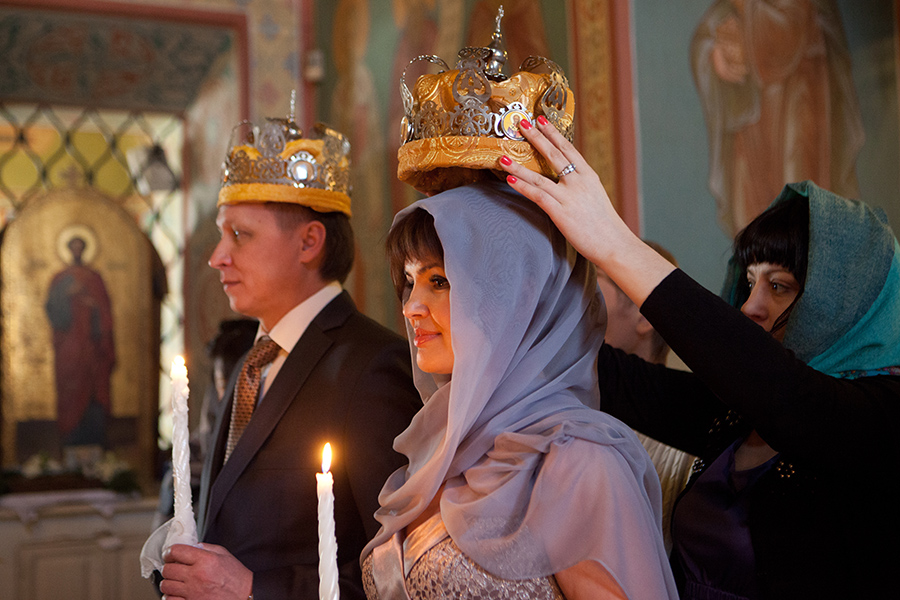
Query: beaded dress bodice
{"points": [[436, 569]]}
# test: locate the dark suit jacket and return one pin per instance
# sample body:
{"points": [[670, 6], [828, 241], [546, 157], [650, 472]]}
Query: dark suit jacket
{"points": [[348, 382]]}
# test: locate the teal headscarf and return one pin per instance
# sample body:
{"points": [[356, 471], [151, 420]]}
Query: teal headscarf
{"points": [[847, 321]]}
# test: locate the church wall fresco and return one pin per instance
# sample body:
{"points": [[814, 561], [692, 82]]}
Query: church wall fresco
{"points": [[678, 206]]}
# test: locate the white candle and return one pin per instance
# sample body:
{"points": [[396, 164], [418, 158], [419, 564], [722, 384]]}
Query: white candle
{"points": [[328, 569], [183, 529]]}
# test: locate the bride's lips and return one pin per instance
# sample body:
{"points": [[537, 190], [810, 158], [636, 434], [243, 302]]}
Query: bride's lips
{"points": [[423, 336]]}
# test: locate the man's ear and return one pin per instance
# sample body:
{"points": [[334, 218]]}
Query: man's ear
{"points": [[312, 240]]}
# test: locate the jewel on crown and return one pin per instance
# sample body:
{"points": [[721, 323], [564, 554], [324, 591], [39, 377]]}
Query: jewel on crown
{"points": [[277, 153], [485, 102]]}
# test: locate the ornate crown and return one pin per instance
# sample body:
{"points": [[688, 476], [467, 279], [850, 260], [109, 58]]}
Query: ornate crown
{"points": [[275, 163], [465, 119]]}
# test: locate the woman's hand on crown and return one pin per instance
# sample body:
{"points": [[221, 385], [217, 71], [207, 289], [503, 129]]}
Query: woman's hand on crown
{"points": [[580, 207]]}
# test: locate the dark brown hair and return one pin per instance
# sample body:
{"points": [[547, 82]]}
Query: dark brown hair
{"points": [[780, 236], [414, 237]]}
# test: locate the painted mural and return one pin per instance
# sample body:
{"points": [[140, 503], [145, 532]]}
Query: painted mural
{"points": [[775, 82], [676, 151], [102, 61]]}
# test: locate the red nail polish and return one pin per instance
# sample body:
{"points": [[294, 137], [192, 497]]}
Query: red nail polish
{"points": [[505, 160], [543, 120], [512, 179], [525, 124]]}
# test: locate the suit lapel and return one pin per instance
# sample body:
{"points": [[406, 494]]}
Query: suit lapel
{"points": [[307, 353]]}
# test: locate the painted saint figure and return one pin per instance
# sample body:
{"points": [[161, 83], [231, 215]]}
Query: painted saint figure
{"points": [[774, 80], [79, 311]]}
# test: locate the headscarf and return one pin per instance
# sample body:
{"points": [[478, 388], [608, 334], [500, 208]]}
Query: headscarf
{"points": [[535, 480], [847, 321]]}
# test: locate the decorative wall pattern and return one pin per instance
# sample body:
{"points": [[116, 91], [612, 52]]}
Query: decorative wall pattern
{"points": [[594, 113], [105, 61], [274, 39]]}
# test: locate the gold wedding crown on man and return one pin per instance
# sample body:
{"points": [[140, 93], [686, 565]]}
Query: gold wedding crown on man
{"points": [[275, 163], [460, 121]]}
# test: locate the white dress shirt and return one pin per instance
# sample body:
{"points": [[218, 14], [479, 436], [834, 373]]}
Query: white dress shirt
{"points": [[290, 327]]}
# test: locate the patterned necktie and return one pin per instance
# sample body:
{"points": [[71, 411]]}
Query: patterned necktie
{"points": [[247, 389]]}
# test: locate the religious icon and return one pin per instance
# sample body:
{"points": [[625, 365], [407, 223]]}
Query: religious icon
{"points": [[80, 337], [508, 122], [78, 308]]}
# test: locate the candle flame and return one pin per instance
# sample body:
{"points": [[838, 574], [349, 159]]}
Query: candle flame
{"points": [[326, 458], [178, 368]]}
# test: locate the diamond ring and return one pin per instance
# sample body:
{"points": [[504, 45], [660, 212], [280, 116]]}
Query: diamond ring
{"points": [[569, 168]]}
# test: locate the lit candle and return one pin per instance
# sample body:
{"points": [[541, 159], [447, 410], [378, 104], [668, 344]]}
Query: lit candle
{"points": [[183, 528], [328, 570]]}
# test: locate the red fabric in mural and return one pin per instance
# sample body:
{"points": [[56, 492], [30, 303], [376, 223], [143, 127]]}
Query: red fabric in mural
{"points": [[79, 310], [780, 106]]}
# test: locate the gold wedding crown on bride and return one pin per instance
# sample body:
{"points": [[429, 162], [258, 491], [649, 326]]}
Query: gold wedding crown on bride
{"points": [[460, 121], [276, 163]]}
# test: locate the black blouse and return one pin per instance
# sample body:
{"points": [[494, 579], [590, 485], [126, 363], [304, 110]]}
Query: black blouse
{"points": [[823, 520]]}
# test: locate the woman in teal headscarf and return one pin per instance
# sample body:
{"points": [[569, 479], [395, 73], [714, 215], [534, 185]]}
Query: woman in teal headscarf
{"points": [[793, 411]]}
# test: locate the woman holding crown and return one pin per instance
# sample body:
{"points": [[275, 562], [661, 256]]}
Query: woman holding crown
{"points": [[795, 493], [516, 486]]}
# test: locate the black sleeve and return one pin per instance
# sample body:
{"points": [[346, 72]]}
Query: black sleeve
{"points": [[672, 406], [794, 408]]}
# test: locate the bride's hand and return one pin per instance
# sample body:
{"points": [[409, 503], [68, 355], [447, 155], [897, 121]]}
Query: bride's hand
{"points": [[578, 204]]}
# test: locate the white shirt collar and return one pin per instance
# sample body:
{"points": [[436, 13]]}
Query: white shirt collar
{"points": [[290, 327]]}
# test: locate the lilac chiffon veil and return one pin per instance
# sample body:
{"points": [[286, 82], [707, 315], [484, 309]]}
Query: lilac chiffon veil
{"points": [[536, 479]]}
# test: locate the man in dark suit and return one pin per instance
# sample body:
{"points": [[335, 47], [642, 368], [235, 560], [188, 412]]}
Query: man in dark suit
{"points": [[336, 377]]}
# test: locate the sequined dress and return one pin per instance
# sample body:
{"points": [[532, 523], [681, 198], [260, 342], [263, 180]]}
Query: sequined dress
{"points": [[435, 568]]}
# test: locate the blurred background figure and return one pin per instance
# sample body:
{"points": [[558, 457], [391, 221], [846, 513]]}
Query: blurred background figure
{"points": [[630, 331], [234, 338], [627, 329]]}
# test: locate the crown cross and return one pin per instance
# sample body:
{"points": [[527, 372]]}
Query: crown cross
{"points": [[497, 48]]}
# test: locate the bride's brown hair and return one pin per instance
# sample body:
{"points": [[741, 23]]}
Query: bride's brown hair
{"points": [[415, 238]]}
